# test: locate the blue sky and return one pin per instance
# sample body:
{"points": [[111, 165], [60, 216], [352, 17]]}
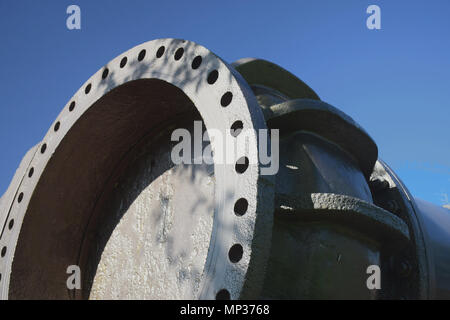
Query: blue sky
{"points": [[395, 81]]}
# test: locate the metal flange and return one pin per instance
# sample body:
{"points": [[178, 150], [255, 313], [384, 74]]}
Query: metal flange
{"points": [[52, 200]]}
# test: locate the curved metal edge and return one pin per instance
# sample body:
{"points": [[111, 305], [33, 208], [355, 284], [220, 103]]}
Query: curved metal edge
{"points": [[418, 234], [436, 226], [11, 192], [262, 233], [221, 270], [328, 122], [361, 215], [265, 73]]}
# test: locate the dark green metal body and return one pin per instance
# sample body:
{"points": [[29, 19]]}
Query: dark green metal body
{"points": [[338, 209]]}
